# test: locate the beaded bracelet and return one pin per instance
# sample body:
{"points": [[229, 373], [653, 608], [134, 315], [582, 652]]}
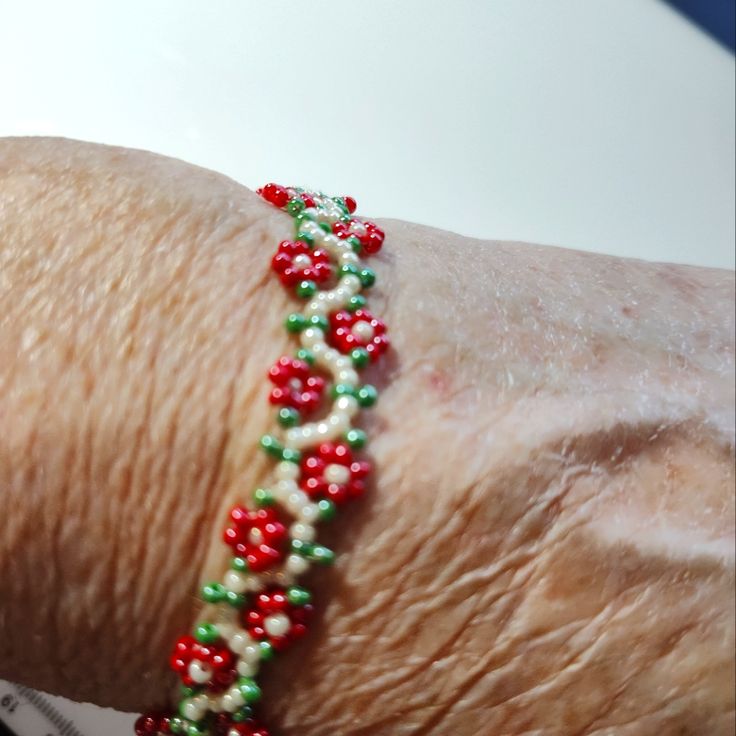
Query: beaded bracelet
{"points": [[258, 609]]}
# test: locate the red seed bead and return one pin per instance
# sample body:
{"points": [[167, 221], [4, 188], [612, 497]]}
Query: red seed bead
{"points": [[351, 204], [275, 194], [152, 724], [373, 238], [308, 200]]}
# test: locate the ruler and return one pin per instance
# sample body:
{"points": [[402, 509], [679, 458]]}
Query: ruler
{"points": [[26, 712]]}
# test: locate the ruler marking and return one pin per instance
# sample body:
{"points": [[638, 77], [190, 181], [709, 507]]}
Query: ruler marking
{"points": [[65, 726]]}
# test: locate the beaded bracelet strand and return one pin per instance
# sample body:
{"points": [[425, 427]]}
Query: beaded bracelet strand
{"points": [[258, 608]]}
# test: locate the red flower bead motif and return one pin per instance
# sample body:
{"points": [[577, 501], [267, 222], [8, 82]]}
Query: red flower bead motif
{"points": [[295, 385], [275, 194], [350, 203], [226, 726], [203, 664], [258, 536], [152, 724], [275, 620], [358, 329], [294, 261], [333, 473]]}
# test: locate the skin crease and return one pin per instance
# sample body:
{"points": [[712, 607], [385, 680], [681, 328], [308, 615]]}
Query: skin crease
{"points": [[549, 548]]}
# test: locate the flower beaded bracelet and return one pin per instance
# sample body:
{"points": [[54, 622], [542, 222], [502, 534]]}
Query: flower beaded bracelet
{"points": [[258, 609]]}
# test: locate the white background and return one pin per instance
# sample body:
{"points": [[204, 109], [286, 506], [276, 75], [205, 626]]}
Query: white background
{"points": [[598, 124]]}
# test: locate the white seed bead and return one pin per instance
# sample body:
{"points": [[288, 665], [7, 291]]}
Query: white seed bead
{"points": [[277, 625], [236, 581], [363, 330], [349, 256], [239, 641], [296, 564], [232, 700], [309, 513], [347, 404], [246, 669], [348, 376], [251, 653], [199, 672], [335, 473], [351, 283], [225, 628], [302, 261], [255, 536], [215, 704], [303, 532], [311, 337], [287, 471], [194, 709]]}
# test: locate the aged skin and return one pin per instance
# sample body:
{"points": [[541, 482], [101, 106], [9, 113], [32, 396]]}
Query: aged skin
{"points": [[549, 548]]}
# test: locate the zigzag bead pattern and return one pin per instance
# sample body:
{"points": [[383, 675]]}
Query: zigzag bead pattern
{"points": [[258, 608]]}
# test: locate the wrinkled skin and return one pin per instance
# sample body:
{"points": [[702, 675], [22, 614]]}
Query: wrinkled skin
{"points": [[549, 547]]}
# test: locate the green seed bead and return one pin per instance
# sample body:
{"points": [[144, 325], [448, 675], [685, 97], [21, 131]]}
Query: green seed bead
{"points": [[295, 206], [305, 289], [317, 320], [304, 217], [355, 302], [262, 497], [295, 322], [367, 395], [249, 690], [206, 633], [240, 564], [326, 227], [213, 592], [355, 438], [267, 650], [367, 277], [298, 596], [291, 456], [236, 600], [360, 357], [194, 729], [306, 355], [243, 714], [288, 417], [322, 555], [271, 445], [342, 389], [327, 510], [313, 552], [187, 692], [348, 269], [355, 243], [305, 237]]}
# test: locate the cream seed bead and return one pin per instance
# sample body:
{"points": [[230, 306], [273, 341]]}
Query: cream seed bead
{"points": [[239, 642], [364, 330], [287, 471], [245, 669], [232, 700], [296, 564], [348, 405], [195, 709], [251, 653], [236, 581], [335, 473], [199, 672], [304, 532], [277, 625], [311, 337], [309, 513]]}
